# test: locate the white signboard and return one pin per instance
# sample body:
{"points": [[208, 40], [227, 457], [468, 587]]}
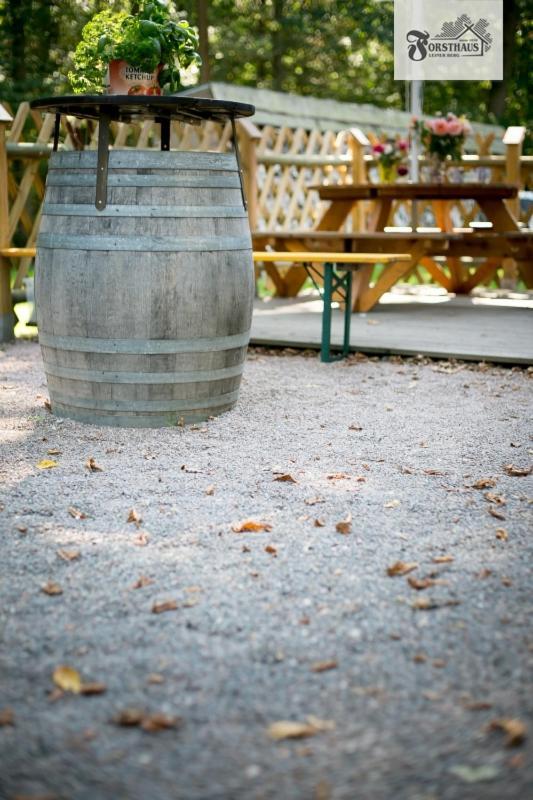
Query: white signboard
{"points": [[456, 40]]}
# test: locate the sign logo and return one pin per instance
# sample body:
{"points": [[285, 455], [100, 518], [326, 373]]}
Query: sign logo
{"points": [[451, 40], [457, 38]]}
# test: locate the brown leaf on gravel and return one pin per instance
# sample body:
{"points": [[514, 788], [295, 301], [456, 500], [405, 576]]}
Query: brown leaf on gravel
{"points": [[497, 499], [141, 539], [153, 723], [134, 517], [92, 466], [429, 603], [313, 501], [68, 555], [495, 513], [21, 528], [401, 568], [246, 549], [48, 405], [165, 605], [443, 559], [67, 679], [344, 526], [286, 729], [51, 588], [53, 451], [337, 476], [484, 483], [514, 729], [354, 427], [407, 471], [129, 717], [154, 678], [271, 550], [250, 525], [76, 513], [436, 472], [517, 472], [93, 687], [210, 490], [392, 504], [484, 573], [285, 478], [424, 583], [7, 717], [506, 581], [191, 470], [502, 534], [477, 705], [319, 522], [142, 581], [324, 666]]}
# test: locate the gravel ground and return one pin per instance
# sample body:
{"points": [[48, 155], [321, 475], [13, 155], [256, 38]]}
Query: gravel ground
{"points": [[408, 695]]}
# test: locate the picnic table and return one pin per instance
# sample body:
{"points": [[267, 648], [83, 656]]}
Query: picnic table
{"points": [[503, 239]]}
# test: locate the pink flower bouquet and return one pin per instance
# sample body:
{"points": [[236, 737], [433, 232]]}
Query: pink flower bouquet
{"points": [[443, 137]]}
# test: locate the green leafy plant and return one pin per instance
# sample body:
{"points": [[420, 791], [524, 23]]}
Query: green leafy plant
{"points": [[145, 40]]}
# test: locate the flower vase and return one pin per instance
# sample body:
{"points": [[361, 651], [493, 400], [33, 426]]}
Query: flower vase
{"points": [[387, 173], [437, 169]]}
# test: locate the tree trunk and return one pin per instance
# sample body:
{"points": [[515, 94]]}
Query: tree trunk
{"points": [[203, 28]]}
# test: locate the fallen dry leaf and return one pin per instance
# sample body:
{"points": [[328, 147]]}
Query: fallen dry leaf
{"points": [[191, 470], [407, 471], [285, 478], [502, 534], [495, 513], [210, 490], [142, 581], [354, 428], [165, 605], [155, 678], [76, 513], [319, 522], [21, 528], [141, 539], [515, 730], [428, 603], [69, 555], [423, 583], [345, 525], [313, 501], [436, 472], [47, 463], [152, 723], [134, 517], [51, 588], [48, 405], [271, 550], [392, 504], [7, 717], [517, 472], [250, 525], [497, 499], [92, 466], [477, 705], [129, 717], [54, 451], [484, 483], [67, 679], [401, 568], [324, 666], [337, 476], [286, 729], [443, 559], [92, 688]]}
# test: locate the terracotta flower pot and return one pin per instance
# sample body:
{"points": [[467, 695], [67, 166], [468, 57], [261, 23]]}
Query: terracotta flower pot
{"points": [[122, 78]]}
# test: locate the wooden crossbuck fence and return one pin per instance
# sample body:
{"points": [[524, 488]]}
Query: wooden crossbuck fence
{"points": [[279, 165]]}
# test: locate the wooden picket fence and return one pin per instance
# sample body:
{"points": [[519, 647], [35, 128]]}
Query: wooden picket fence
{"points": [[280, 164]]}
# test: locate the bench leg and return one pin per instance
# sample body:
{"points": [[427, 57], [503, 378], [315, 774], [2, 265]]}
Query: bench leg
{"points": [[347, 311], [325, 354]]}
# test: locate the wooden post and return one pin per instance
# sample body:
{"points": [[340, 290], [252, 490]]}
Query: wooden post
{"points": [[513, 140], [357, 143], [249, 135], [7, 318]]}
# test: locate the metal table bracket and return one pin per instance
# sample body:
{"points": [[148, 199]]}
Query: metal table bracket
{"points": [[102, 162]]}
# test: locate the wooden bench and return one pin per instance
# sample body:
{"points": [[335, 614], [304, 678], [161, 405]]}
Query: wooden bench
{"points": [[337, 277]]}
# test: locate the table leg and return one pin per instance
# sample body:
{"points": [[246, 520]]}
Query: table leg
{"points": [[382, 211], [102, 162], [347, 311], [441, 209]]}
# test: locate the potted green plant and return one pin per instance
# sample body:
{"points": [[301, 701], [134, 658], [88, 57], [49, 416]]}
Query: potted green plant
{"points": [[140, 53]]}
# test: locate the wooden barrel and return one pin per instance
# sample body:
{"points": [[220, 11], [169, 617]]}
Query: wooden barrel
{"points": [[144, 309]]}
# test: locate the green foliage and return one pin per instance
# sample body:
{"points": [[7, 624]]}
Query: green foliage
{"points": [[145, 39]]}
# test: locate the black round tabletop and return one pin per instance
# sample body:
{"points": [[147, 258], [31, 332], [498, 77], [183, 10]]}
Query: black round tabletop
{"points": [[128, 108]]}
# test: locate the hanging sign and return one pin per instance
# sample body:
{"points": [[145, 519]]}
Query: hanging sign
{"points": [[459, 40]]}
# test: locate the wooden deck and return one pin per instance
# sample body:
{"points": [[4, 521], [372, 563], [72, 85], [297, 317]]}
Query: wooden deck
{"points": [[488, 326]]}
